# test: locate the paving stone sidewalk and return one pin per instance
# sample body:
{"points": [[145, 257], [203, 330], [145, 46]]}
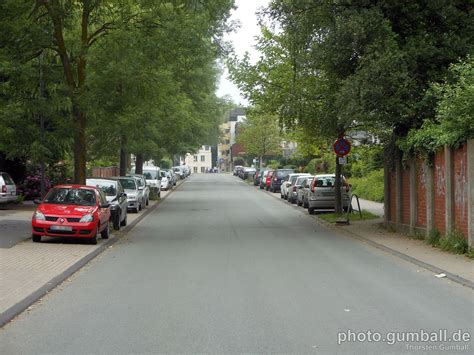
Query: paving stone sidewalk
{"points": [[28, 267]]}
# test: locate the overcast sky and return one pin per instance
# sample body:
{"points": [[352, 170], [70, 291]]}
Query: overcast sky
{"points": [[243, 40]]}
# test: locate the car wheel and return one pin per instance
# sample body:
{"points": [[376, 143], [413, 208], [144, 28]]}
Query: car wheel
{"points": [[261, 188], [93, 240], [140, 207], [105, 234], [310, 210], [298, 203], [117, 222], [124, 222], [305, 204], [36, 238], [135, 210], [281, 195], [147, 202]]}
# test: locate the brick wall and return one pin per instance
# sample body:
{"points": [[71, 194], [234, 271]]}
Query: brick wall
{"points": [[406, 196], [421, 193], [460, 189]]}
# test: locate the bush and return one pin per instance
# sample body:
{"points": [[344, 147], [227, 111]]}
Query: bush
{"points": [[434, 237], [454, 242], [30, 188], [370, 187]]}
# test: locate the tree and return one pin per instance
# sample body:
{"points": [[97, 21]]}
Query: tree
{"points": [[260, 136]]}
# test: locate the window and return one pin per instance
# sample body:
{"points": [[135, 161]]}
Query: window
{"points": [[195, 169], [203, 158], [203, 169], [195, 158]]}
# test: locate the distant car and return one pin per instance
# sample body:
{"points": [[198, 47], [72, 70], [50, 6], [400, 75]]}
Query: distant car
{"points": [[153, 178], [171, 176], [144, 187], [236, 169], [287, 182], [322, 193], [117, 198], [77, 211], [7, 188], [246, 172], [263, 178], [180, 171], [166, 180], [268, 179], [293, 189], [133, 191], [302, 191], [277, 178], [256, 176]]}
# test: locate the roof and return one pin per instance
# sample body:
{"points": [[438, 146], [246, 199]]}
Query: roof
{"points": [[234, 113], [75, 187]]}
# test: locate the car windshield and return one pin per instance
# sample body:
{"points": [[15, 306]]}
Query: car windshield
{"points": [[150, 174], [293, 179], [71, 196], [164, 173], [108, 187], [299, 180], [128, 184], [325, 181], [282, 174], [8, 180]]}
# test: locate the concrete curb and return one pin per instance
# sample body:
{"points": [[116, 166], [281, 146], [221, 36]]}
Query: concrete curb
{"points": [[26, 302], [453, 277]]}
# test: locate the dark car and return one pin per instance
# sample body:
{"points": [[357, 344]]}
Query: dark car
{"points": [[117, 198], [278, 176]]}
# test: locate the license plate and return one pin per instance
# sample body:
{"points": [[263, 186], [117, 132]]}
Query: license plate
{"points": [[61, 228]]}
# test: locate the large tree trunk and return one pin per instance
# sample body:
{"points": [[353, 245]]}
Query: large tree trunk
{"points": [[123, 156], [79, 146], [139, 164], [337, 187]]}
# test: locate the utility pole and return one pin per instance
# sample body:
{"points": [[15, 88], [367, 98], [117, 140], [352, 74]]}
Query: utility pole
{"points": [[41, 117]]}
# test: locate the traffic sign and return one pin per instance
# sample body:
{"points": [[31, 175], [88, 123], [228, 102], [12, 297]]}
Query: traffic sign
{"points": [[341, 146]]}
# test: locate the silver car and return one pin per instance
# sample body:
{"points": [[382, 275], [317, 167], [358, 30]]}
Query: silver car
{"points": [[293, 188], [166, 180], [287, 182], [7, 188], [303, 191], [133, 191], [322, 193], [146, 189]]}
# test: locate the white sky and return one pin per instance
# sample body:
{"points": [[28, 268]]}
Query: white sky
{"points": [[243, 40]]}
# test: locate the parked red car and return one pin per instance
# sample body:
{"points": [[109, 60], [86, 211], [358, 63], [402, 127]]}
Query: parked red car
{"points": [[76, 211], [268, 180]]}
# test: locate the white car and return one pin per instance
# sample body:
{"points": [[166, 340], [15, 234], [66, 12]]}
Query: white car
{"points": [[166, 180], [7, 188], [289, 180], [152, 177]]}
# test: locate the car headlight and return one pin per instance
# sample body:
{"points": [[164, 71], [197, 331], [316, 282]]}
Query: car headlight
{"points": [[87, 218], [39, 216]]}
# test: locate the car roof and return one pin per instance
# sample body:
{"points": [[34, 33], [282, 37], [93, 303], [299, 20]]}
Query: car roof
{"points": [[76, 186]]}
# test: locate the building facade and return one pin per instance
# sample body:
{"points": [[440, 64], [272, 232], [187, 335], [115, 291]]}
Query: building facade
{"points": [[200, 162], [228, 139]]}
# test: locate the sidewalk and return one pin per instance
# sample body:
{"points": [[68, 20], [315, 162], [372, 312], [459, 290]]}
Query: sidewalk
{"points": [[457, 267], [29, 270]]}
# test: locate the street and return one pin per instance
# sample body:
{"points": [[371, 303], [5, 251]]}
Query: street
{"points": [[220, 267]]}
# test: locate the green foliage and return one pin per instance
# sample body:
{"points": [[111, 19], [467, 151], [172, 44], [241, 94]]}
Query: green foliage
{"points": [[454, 121], [260, 135], [454, 242], [273, 164], [369, 187], [434, 237], [364, 159], [332, 217]]}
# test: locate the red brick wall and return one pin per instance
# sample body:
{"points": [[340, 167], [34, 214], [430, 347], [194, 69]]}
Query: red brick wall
{"points": [[406, 196], [421, 193], [460, 189], [393, 197], [439, 191]]}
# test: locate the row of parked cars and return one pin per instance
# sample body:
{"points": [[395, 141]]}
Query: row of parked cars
{"points": [[311, 192], [89, 211]]}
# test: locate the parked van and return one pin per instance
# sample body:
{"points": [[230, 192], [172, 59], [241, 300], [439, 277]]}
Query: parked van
{"points": [[7, 188]]}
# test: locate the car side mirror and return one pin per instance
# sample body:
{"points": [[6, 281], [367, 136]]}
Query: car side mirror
{"points": [[37, 201], [123, 194], [140, 188], [105, 205]]}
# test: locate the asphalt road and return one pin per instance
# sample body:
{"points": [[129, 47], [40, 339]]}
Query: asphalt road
{"points": [[220, 267]]}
